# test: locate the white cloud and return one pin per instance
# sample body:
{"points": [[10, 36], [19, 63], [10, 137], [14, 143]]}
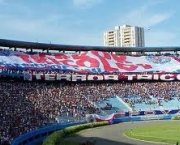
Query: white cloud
{"points": [[144, 16], [59, 28], [156, 19], [84, 4], [161, 38], [44, 30], [1, 2], [24, 28]]}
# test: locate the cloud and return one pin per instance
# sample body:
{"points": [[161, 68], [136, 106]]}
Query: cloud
{"points": [[144, 17], [84, 4], [67, 29], [1, 2], [44, 30], [29, 27], [51, 27], [4, 3], [156, 19], [161, 38]]}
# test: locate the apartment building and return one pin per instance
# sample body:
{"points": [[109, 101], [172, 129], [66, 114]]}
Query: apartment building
{"points": [[125, 36]]}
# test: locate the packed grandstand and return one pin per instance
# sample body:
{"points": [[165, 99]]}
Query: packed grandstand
{"points": [[39, 89]]}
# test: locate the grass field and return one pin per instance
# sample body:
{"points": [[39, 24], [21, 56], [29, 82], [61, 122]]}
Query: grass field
{"points": [[167, 132]]}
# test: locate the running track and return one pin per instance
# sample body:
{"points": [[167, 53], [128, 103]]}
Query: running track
{"points": [[112, 134]]}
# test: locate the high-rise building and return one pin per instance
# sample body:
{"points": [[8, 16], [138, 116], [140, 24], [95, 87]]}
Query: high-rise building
{"points": [[125, 36]]}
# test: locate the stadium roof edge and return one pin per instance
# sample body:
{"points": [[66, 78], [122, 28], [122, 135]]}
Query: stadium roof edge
{"points": [[61, 47]]}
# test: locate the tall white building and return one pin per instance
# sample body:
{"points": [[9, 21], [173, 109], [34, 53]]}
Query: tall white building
{"points": [[125, 36]]}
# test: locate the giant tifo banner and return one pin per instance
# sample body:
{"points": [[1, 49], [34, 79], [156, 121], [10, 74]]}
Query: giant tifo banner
{"points": [[105, 77], [91, 61]]}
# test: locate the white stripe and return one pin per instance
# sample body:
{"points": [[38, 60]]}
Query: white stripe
{"points": [[154, 142]]}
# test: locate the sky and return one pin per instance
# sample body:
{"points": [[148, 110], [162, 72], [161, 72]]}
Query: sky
{"points": [[82, 22]]}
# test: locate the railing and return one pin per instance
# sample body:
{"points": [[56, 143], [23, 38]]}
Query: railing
{"points": [[36, 136]]}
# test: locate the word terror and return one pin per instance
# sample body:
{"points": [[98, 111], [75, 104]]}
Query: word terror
{"points": [[120, 77]]}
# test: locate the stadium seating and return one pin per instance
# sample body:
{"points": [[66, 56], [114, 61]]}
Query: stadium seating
{"points": [[26, 106]]}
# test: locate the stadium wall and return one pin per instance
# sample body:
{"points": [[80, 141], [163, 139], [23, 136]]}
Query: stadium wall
{"points": [[39, 135], [36, 136], [141, 118]]}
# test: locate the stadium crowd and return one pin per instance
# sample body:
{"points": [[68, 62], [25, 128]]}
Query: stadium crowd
{"points": [[142, 92], [25, 106]]}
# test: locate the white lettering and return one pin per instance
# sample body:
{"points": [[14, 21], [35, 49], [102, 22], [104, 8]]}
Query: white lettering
{"points": [[130, 77], [95, 77], [38, 76], [50, 77], [156, 77], [178, 77], [167, 77], [78, 78], [64, 77], [111, 77], [144, 77]]}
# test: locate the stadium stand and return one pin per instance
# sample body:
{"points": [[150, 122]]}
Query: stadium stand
{"points": [[32, 97], [26, 106]]}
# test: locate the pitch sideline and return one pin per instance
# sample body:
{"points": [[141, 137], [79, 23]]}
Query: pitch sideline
{"points": [[163, 143]]}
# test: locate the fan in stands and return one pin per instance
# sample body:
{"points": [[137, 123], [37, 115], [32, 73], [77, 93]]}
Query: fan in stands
{"points": [[38, 102]]}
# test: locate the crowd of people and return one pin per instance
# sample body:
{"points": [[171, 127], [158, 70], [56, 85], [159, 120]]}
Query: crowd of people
{"points": [[26, 106], [143, 92]]}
